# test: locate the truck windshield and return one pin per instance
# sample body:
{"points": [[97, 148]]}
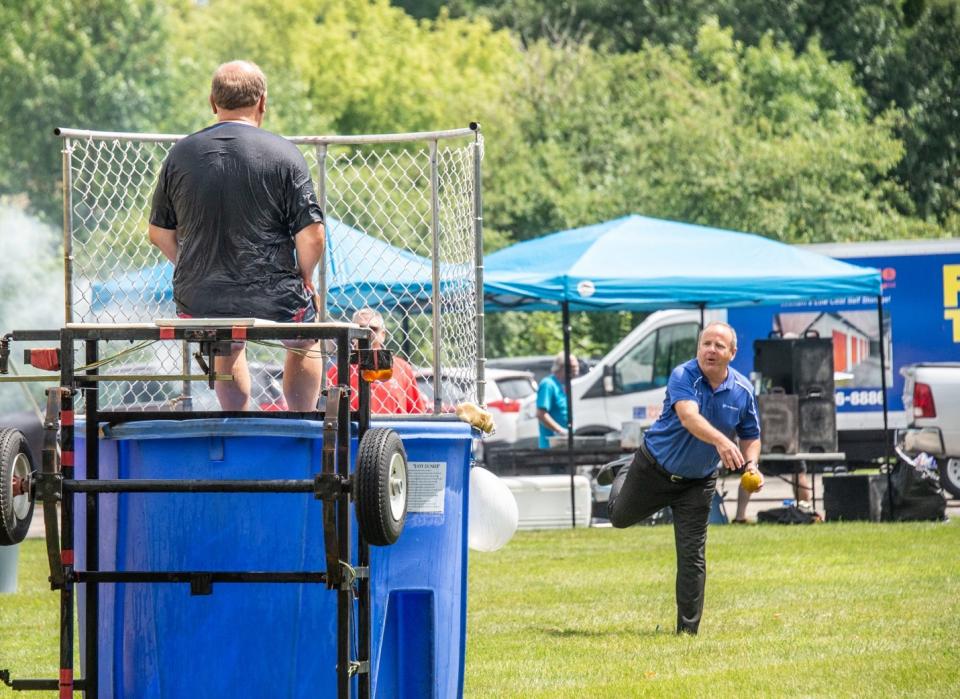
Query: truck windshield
{"points": [[649, 363]]}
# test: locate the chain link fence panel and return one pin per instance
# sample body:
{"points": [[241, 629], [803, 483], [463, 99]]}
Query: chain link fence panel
{"points": [[403, 238]]}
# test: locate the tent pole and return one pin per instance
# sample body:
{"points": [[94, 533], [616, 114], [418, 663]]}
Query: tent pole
{"points": [[883, 396], [701, 317], [568, 388]]}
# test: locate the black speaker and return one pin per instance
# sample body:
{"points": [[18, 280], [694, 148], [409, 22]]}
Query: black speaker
{"points": [[779, 422], [818, 425], [802, 365], [853, 497]]}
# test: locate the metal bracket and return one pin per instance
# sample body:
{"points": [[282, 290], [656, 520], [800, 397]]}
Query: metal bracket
{"points": [[358, 667], [328, 487], [201, 584], [47, 487], [350, 574], [209, 348], [5, 354]]}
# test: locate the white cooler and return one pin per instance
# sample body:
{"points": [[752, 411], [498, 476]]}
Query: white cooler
{"points": [[543, 502]]}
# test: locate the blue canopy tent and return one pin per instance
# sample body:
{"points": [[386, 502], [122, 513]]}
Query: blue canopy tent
{"points": [[360, 271], [643, 264], [640, 264]]}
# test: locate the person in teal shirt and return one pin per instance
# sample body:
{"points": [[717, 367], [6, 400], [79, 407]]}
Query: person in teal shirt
{"points": [[552, 409]]}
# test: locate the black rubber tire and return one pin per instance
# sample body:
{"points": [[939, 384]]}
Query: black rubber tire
{"points": [[15, 513], [381, 450], [950, 475]]}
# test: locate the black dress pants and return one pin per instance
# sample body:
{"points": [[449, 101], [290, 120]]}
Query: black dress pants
{"points": [[642, 489]]}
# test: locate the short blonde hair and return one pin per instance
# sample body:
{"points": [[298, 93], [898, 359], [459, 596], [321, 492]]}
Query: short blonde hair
{"points": [[238, 84]]}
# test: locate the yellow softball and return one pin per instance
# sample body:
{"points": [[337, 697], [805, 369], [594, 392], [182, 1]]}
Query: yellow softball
{"points": [[751, 481]]}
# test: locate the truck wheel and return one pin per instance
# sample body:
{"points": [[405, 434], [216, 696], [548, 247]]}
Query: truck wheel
{"points": [[950, 475], [16, 467], [380, 486]]}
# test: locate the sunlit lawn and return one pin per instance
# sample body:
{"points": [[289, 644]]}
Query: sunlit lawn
{"points": [[831, 610]]}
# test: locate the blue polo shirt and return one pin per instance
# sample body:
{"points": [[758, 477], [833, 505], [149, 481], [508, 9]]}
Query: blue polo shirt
{"points": [[732, 409], [552, 398]]}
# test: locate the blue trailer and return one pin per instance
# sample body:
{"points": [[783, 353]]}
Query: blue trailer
{"points": [[920, 322]]}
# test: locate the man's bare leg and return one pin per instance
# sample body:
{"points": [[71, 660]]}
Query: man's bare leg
{"points": [[743, 498], [801, 487], [302, 374], [233, 395]]}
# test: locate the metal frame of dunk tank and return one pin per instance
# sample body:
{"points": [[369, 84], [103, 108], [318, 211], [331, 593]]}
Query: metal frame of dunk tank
{"points": [[107, 178], [55, 485]]}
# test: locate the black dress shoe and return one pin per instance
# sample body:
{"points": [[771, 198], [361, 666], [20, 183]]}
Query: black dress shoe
{"points": [[608, 472]]}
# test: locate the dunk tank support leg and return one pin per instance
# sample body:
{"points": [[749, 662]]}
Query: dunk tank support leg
{"points": [[363, 559], [92, 518], [345, 589], [66, 516]]}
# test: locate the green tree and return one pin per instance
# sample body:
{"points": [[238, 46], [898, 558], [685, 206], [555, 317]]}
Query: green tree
{"points": [[751, 138], [903, 52], [928, 86], [353, 67], [96, 64]]}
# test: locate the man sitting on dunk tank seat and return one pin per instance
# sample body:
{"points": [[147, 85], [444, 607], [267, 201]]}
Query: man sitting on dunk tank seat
{"points": [[235, 210]]}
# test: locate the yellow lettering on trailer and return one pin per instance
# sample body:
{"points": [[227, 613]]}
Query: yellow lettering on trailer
{"points": [[951, 298], [951, 286], [953, 314]]}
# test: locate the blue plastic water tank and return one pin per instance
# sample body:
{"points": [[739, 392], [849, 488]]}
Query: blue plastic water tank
{"points": [[271, 640]]}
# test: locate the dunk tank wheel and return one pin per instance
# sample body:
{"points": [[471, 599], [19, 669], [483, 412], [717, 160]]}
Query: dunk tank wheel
{"points": [[380, 486], [16, 467]]}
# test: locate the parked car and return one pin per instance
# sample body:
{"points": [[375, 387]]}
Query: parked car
{"points": [[505, 390], [539, 365]]}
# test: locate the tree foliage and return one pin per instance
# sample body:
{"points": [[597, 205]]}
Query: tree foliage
{"points": [[903, 52], [806, 120], [754, 138], [73, 64], [928, 86]]}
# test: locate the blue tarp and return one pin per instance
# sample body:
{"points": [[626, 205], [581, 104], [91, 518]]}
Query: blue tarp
{"points": [[365, 271], [640, 263], [361, 271]]}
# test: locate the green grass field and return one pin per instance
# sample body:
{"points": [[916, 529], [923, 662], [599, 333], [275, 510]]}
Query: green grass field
{"points": [[832, 610]]}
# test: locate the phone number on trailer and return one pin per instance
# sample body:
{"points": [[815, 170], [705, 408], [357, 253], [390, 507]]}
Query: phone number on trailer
{"points": [[874, 397]]}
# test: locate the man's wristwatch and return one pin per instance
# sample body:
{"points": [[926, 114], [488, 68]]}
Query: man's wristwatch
{"points": [[747, 463]]}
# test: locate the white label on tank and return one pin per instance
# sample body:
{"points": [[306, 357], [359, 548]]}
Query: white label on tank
{"points": [[427, 481]]}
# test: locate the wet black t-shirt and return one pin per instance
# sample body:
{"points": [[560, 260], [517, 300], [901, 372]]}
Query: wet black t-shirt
{"points": [[237, 195]]}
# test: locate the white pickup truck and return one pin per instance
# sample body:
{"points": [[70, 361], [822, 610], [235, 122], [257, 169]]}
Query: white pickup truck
{"points": [[931, 398]]}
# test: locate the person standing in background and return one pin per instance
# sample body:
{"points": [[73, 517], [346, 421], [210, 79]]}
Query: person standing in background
{"points": [[552, 405]]}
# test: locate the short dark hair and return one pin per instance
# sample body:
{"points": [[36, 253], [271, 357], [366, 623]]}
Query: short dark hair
{"points": [[238, 84]]}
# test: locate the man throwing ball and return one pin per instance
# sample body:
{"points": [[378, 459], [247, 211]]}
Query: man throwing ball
{"points": [[707, 406]]}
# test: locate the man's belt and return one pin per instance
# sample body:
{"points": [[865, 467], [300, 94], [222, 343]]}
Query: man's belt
{"points": [[652, 462]]}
